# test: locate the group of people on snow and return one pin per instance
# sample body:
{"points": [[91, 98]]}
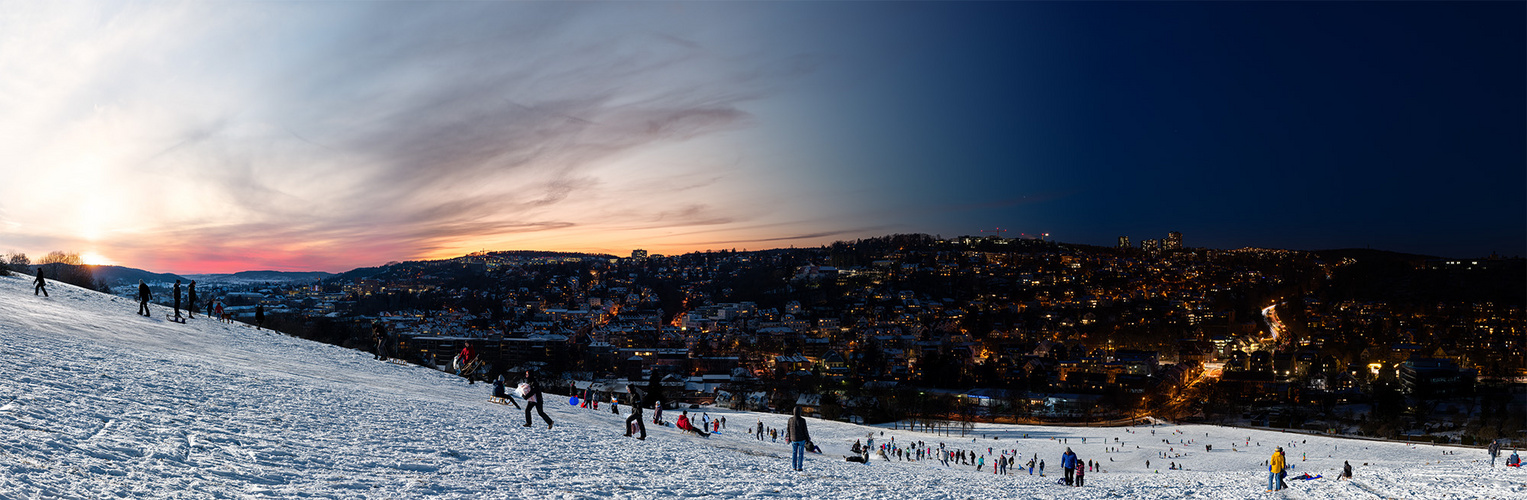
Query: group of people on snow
{"points": [[214, 307]]}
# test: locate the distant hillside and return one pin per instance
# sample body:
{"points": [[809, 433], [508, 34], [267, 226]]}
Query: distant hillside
{"points": [[116, 275], [1371, 254], [263, 277], [1414, 279]]}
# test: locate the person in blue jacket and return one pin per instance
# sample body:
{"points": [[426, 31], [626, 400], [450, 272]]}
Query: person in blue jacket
{"points": [[1068, 464]]}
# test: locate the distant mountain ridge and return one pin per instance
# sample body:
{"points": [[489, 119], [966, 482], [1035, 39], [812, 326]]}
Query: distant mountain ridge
{"points": [[263, 276], [116, 275]]}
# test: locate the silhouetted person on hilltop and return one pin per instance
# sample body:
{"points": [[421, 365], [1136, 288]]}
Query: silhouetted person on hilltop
{"points": [[177, 301], [259, 316], [42, 284], [191, 300], [144, 295]]}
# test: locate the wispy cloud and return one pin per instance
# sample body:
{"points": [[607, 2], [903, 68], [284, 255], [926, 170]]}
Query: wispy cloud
{"points": [[316, 135]]}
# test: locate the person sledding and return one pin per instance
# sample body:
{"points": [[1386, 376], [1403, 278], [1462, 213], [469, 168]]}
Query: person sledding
{"points": [[685, 425], [1514, 460], [500, 395]]}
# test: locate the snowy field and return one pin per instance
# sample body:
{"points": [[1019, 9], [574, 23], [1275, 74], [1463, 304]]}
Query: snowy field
{"points": [[96, 402]]}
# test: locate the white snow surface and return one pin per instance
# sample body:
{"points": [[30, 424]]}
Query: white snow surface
{"points": [[96, 402]]}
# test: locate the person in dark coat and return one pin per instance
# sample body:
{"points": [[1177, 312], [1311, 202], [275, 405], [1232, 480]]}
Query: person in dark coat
{"points": [[144, 295], [1346, 470], [638, 400], [191, 300], [533, 399], [259, 316], [379, 337], [796, 434], [501, 396], [655, 397], [42, 284], [177, 300]]}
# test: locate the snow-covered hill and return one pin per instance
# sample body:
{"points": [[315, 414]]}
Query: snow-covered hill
{"points": [[98, 402]]}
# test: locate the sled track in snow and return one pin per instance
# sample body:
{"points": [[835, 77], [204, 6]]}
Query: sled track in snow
{"points": [[1368, 489]]}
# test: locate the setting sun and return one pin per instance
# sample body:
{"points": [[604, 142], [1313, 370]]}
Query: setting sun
{"points": [[95, 259]]}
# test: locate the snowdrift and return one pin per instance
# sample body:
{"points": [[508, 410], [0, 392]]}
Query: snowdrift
{"points": [[98, 402]]}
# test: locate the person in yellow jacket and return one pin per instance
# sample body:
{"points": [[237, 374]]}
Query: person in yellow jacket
{"points": [[1275, 471]]}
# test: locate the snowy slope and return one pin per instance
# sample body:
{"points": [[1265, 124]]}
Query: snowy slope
{"points": [[98, 402]]}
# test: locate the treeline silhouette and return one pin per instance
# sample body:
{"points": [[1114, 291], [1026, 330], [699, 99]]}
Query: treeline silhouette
{"points": [[62, 266]]}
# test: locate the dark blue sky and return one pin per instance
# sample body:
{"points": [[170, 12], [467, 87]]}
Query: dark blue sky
{"points": [[1309, 125], [225, 136]]}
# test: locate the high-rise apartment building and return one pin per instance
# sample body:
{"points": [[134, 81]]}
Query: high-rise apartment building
{"points": [[1123, 242], [638, 254], [1173, 241]]}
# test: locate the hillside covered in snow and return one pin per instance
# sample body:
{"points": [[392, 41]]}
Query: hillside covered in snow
{"points": [[97, 402]]}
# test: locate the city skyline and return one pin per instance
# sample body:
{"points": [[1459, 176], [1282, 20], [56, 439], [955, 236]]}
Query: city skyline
{"points": [[197, 138]]}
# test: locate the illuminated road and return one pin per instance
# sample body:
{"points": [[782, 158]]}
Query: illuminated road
{"points": [[1274, 324]]}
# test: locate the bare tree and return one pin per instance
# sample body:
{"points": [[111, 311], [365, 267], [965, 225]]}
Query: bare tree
{"points": [[18, 262], [60, 257]]}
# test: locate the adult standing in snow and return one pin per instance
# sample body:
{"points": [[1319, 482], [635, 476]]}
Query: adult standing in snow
{"points": [[796, 434], [176, 292], [760, 430], [533, 399], [191, 300], [1493, 449], [637, 402], [1068, 465], [259, 316], [1275, 471], [42, 284], [144, 295], [379, 337]]}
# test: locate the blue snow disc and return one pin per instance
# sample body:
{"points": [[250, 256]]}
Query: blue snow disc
{"points": [[572, 401]]}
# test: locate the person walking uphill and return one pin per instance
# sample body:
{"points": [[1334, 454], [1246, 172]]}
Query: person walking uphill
{"points": [[144, 295], [637, 402], [533, 399], [1275, 471], [1068, 464], [796, 434], [42, 284]]}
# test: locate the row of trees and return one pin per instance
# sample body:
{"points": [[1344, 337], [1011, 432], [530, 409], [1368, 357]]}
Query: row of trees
{"points": [[67, 267]]}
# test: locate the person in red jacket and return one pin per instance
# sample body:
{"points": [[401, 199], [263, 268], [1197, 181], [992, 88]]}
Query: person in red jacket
{"points": [[466, 364], [685, 424]]}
